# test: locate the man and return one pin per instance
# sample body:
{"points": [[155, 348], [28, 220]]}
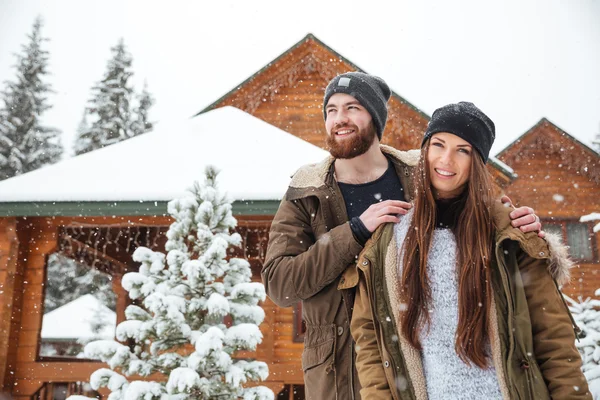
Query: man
{"points": [[329, 211]]}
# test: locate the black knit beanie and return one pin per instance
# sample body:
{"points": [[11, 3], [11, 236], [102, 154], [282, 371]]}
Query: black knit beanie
{"points": [[466, 121], [370, 91]]}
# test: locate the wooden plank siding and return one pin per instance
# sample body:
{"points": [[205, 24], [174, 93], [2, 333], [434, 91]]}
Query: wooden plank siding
{"points": [[560, 178]]}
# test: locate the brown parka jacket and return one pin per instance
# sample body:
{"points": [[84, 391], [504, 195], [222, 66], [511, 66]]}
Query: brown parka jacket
{"points": [[310, 246], [531, 330]]}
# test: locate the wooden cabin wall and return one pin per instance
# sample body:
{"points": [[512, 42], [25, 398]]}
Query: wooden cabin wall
{"points": [[559, 179], [24, 246]]}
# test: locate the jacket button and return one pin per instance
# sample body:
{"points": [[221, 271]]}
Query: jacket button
{"points": [[542, 253], [342, 281], [386, 364], [524, 364], [340, 330], [365, 262]]}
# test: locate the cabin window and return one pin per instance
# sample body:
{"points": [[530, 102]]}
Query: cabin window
{"points": [[292, 392], [83, 297], [578, 236], [79, 307]]}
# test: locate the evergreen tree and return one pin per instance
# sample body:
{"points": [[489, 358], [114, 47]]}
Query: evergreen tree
{"points": [[81, 143], [179, 328], [111, 110], [25, 143], [142, 123], [586, 314]]}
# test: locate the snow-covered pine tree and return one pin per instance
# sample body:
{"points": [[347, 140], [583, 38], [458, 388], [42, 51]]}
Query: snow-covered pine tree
{"points": [[25, 143], [179, 329], [586, 314], [142, 123], [82, 129], [110, 108]]}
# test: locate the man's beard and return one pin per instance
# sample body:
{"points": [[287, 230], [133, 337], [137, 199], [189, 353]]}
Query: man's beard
{"points": [[360, 142]]}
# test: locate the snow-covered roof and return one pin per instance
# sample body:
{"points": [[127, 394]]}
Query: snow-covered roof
{"points": [[502, 166], [256, 161], [75, 320]]}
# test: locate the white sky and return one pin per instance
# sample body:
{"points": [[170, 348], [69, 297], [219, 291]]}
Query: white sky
{"points": [[519, 60]]}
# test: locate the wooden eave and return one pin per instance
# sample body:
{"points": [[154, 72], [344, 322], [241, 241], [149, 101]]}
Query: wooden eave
{"points": [[119, 208]]}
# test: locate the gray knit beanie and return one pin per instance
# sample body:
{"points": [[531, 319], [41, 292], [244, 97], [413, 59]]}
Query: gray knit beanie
{"points": [[370, 91]]}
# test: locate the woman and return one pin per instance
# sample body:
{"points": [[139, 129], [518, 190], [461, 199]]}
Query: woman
{"points": [[454, 303]]}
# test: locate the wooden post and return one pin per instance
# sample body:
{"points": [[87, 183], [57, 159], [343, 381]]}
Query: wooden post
{"points": [[11, 277]]}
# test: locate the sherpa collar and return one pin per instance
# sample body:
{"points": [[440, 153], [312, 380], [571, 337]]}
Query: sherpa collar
{"points": [[315, 175]]}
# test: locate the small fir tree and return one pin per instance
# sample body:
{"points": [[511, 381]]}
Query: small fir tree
{"points": [[111, 110], [586, 314], [178, 328], [25, 143], [142, 123], [82, 141]]}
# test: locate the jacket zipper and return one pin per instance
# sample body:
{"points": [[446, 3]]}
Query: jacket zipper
{"points": [[509, 303], [576, 328], [337, 207], [374, 312]]}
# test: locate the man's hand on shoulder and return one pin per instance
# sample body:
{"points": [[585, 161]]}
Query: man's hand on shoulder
{"points": [[385, 211]]}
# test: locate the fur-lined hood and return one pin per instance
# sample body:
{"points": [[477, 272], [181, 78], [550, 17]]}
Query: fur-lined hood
{"points": [[552, 249]]}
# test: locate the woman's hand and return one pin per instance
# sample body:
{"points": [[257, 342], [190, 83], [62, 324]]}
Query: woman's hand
{"points": [[524, 218]]}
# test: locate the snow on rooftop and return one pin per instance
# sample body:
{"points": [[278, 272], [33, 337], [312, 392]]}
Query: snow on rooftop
{"points": [[502, 165], [256, 160], [75, 320]]}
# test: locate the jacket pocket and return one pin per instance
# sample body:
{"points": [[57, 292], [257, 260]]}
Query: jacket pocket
{"points": [[319, 346], [317, 354]]}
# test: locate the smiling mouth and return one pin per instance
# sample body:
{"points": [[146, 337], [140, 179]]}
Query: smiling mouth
{"points": [[444, 173], [344, 132]]}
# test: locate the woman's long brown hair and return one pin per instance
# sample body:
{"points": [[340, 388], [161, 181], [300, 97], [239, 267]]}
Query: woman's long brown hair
{"points": [[474, 240]]}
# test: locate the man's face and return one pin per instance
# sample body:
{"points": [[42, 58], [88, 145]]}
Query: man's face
{"points": [[350, 128]]}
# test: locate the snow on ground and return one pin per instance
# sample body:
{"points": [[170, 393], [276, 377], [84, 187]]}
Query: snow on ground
{"points": [[163, 164]]}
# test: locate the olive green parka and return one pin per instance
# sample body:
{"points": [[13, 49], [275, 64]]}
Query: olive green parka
{"points": [[531, 330]]}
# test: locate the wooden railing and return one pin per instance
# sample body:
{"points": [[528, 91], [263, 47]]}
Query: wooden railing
{"points": [[62, 390]]}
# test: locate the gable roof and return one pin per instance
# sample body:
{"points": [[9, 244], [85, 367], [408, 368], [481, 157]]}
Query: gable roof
{"points": [[548, 137], [288, 93], [406, 123], [161, 165], [311, 43]]}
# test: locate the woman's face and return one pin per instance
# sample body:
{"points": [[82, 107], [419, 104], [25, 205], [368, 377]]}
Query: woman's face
{"points": [[449, 160]]}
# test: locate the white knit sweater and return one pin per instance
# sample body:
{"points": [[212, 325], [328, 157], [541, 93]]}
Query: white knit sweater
{"points": [[446, 375]]}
